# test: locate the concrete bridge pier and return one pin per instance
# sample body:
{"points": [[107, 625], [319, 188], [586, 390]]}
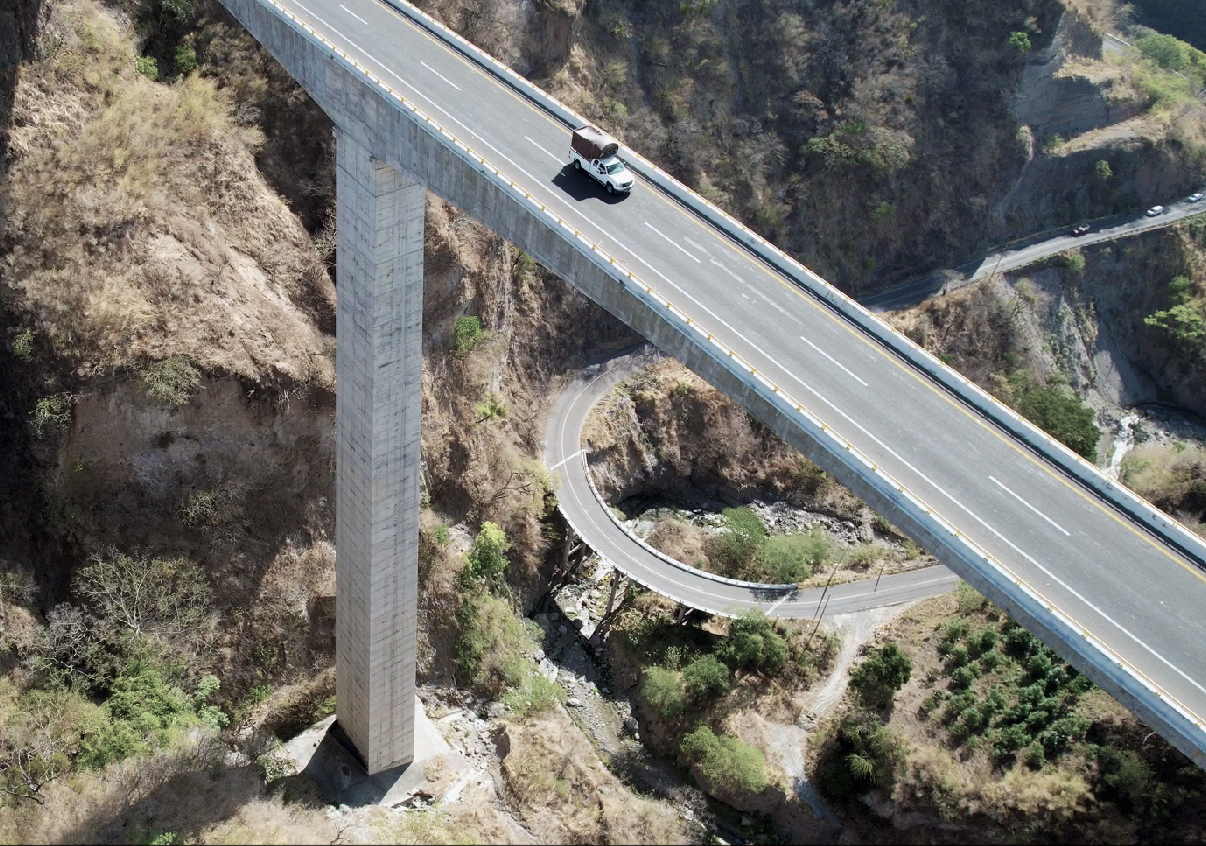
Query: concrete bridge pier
{"points": [[379, 314]]}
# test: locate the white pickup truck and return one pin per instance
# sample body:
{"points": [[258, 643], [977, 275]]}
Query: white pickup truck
{"points": [[594, 151]]}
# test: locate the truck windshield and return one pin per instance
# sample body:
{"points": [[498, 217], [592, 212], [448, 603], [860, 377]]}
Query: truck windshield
{"points": [[615, 167]]}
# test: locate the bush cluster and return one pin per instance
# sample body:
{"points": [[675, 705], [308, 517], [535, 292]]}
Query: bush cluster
{"points": [[1026, 704], [743, 549], [862, 753], [111, 673], [492, 650], [725, 763]]}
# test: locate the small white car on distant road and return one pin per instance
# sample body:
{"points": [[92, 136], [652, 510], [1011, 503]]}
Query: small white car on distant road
{"points": [[1154, 210], [1193, 198]]}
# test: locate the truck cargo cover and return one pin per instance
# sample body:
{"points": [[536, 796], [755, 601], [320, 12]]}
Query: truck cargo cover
{"points": [[592, 143]]}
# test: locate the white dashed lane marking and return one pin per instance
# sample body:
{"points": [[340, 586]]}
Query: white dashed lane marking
{"points": [[353, 14], [834, 360]]}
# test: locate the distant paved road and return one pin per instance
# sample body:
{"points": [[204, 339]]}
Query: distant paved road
{"points": [[919, 290], [591, 520]]}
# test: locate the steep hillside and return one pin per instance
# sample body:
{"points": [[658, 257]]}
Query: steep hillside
{"points": [[872, 140]]}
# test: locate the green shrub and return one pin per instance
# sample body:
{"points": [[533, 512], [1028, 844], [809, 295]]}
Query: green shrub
{"points": [[172, 381], [953, 632], [22, 346], [1021, 642], [787, 559], [53, 413], [147, 66], [956, 656], [885, 671], [861, 755], [1020, 41], [706, 677], [487, 559], [663, 690], [732, 549], [491, 648], [1074, 261], [752, 642], [491, 409], [186, 60], [534, 695], [1062, 416], [965, 675], [467, 335], [981, 641], [725, 763]]}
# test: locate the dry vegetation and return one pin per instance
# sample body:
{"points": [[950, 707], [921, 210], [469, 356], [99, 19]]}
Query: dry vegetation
{"points": [[561, 789], [135, 226], [1118, 783]]}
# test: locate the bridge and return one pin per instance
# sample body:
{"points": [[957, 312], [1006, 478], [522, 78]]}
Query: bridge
{"points": [[1101, 576], [592, 520]]}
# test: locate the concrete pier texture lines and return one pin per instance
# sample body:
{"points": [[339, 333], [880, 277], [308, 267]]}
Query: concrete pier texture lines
{"points": [[378, 326]]}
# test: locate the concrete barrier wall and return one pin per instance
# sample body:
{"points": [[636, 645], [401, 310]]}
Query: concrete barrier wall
{"points": [[380, 120]]}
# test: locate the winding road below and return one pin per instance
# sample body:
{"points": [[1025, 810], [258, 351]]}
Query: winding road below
{"points": [[593, 521], [1027, 251]]}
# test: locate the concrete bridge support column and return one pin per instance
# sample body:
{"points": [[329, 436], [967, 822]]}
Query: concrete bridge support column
{"points": [[379, 315]]}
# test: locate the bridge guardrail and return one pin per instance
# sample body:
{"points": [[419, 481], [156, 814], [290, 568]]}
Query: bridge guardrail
{"points": [[996, 574], [674, 562], [1142, 511]]}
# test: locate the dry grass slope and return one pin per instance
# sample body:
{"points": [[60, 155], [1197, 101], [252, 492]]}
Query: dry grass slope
{"points": [[136, 227]]}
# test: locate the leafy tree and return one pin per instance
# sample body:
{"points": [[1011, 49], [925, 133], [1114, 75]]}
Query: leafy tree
{"points": [[725, 763], [1167, 51], [753, 642], [163, 596], [135, 719], [1104, 172], [1062, 416], [706, 677], [1128, 779], [885, 671], [1184, 324], [487, 559], [861, 755], [1020, 41], [663, 690]]}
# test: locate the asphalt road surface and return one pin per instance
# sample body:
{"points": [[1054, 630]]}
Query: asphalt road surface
{"points": [[565, 457]]}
